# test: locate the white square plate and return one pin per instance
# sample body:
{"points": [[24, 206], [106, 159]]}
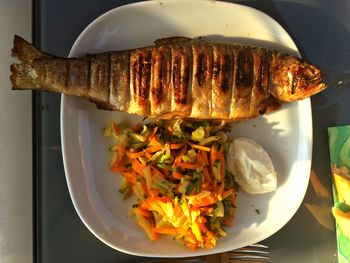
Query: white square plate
{"points": [[285, 134]]}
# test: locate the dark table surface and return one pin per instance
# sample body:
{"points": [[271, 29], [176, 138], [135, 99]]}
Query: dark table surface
{"points": [[321, 32]]}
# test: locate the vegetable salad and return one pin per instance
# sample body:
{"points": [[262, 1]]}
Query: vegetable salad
{"points": [[176, 170]]}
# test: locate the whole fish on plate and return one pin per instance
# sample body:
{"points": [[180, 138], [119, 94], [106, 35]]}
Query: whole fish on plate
{"points": [[178, 76]]}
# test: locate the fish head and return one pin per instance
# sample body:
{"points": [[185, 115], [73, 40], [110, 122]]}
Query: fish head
{"points": [[293, 79]]}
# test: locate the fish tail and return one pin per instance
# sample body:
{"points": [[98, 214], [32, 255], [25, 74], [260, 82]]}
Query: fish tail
{"points": [[23, 74], [25, 51]]}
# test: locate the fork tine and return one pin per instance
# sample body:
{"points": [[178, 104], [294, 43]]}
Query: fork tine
{"points": [[258, 245], [251, 253]]}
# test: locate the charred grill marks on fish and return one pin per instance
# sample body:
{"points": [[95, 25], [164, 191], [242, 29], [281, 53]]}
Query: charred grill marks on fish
{"points": [[178, 76]]}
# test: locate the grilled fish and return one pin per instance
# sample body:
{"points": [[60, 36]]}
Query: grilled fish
{"points": [[178, 76]]}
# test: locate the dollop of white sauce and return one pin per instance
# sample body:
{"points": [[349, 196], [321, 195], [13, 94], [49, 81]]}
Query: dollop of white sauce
{"points": [[251, 166]]}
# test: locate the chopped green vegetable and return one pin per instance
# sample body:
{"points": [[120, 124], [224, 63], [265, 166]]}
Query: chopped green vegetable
{"points": [[178, 129], [136, 136], [219, 209], [216, 170], [208, 140], [192, 154], [183, 186], [230, 181], [125, 189], [186, 159], [228, 208], [198, 134], [166, 155], [165, 166], [195, 181]]}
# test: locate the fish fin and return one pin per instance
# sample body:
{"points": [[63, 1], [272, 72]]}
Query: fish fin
{"points": [[171, 40], [168, 115], [104, 105], [25, 51], [22, 76]]}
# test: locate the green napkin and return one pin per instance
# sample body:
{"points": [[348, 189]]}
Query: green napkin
{"points": [[339, 146]]}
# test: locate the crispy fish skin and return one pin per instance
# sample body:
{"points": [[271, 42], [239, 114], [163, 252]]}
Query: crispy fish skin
{"points": [[119, 91], [160, 97], [178, 76], [202, 79], [221, 81]]}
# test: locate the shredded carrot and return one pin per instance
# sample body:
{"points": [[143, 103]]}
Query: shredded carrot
{"points": [[175, 146], [209, 200], [120, 151], [204, 157], [191, 236], [119, 167], [221, 157], [155, 129], [215, 183], [144, 212], [153, 192], [146, 224], [130, 176], [144, 186], [205, 185], [221, 189], [145, 205], [179, 157], [206, 175], [155, 170], [177, 175], [174, 182], [184, 165], [166, 172], [134, 155], [119, 163], [155, 148], [213, 155], [199, 147], [200, 159], [208, 233], [227, 193], [148, 155], [153, 141], [167, 231], [137, 166], [115, 128]]}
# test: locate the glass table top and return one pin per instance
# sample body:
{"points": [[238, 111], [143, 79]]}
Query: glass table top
{"points": [[321, 31]]}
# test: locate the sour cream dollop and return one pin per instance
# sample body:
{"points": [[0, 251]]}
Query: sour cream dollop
{"points": [[251, 166]]}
